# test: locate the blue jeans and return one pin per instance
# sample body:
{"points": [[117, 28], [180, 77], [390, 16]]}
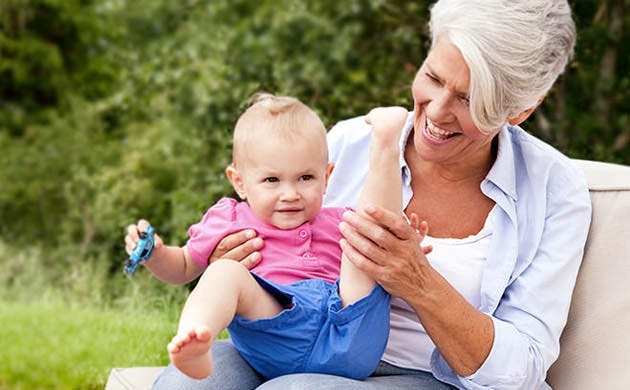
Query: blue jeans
{"points": [[230, 371]]}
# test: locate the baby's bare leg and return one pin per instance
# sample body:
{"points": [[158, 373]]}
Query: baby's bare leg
{"points": [[382, 187], [225, 290]]}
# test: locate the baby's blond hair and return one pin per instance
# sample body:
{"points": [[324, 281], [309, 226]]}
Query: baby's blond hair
{"points": [[276, 116]]}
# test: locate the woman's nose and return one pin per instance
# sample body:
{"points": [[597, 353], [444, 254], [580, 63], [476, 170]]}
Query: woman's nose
{"points": [[439, 108]]}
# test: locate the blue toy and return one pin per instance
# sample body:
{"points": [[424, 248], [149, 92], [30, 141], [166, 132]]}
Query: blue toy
{"points": [[141, 252]]}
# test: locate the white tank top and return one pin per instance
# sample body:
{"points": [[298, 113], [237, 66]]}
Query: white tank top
{"points": [[461, 263]]}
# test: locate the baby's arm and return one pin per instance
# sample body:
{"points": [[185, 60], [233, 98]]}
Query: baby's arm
{"points": [[170, 264]]}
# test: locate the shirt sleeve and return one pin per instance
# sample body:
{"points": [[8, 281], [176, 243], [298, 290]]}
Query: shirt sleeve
{"points": [[533, 310], [216, 223], [348, 149]]}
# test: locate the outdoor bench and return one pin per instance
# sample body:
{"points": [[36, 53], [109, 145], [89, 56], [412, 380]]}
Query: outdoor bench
{"points": [[595, 345]]}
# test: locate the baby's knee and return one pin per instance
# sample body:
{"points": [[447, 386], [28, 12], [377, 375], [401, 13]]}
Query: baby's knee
{"points": [[227, 268]]}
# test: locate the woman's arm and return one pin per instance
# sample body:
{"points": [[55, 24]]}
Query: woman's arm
{"points": [[517, 344], [463, 335]]}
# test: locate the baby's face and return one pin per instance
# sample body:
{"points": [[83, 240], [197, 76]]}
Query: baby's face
{"points": [[284, 182]]}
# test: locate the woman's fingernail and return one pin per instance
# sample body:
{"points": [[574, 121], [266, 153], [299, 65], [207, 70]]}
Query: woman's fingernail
{"points": [[258, 243]]}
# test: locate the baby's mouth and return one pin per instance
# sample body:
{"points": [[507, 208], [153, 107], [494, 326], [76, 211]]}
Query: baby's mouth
{"points": [[290, 210]]}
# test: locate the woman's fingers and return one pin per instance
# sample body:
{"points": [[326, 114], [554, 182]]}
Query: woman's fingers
{"points": [[395, 223], [361, 244], [386, 226], [387, 247], [241, 246], [251, 260], [359, 260]]}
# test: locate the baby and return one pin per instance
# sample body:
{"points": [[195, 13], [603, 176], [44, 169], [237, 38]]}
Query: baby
{"points": [[303, 307]]}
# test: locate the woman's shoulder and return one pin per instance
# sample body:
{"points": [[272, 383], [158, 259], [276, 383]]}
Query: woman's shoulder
{"points": [[537, 156], [350, 130]]}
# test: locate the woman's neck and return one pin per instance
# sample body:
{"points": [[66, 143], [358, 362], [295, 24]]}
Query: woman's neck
{"points": [[471, 169]]}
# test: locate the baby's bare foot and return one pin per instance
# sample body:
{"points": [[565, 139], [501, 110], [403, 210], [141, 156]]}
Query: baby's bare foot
{"points": [[190, 352], [387, 124]]}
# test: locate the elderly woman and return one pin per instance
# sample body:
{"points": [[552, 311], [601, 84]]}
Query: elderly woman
{"points": [[508, 214]]}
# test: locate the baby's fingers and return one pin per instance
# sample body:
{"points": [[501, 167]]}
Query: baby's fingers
{"points": [[130, 243]]}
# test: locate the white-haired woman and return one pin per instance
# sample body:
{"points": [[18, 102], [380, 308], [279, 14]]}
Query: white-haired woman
{"points": [[508, 215]]}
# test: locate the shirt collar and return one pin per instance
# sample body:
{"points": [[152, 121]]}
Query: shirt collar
{"points": [[503, 171]]}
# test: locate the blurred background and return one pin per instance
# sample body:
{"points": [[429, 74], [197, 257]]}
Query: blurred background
{"points": [[112, 110]]}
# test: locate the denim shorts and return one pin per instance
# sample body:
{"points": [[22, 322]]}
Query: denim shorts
{"points": [[314, 333]]}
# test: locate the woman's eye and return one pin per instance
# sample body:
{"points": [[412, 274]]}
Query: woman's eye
{"points": [[306, 177], [271, 180], [433, 78]]}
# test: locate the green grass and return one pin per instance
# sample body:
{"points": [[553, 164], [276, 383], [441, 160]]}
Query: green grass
{"points": [[50, 345], [65, 321]]}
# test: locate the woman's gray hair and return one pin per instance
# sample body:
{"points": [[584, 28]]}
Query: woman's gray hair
{"points": [[515, 50]]}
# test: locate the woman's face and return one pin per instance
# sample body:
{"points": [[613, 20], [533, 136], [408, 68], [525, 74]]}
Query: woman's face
{"points": [[444, 130]]}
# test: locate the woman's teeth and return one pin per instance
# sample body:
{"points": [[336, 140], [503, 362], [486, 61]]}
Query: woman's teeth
{"points": [[437, 133]]}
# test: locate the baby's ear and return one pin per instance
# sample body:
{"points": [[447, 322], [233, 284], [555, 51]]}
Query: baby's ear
{"points": [[331, 167], [237, 182]]}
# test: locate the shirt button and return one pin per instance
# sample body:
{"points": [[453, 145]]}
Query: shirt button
{"points": [[303, 234]]}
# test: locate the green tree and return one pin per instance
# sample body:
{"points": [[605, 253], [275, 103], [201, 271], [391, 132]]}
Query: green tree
{"points": [[115, 110]]}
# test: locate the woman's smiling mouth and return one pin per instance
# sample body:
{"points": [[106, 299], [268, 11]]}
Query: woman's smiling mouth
{"points": [[435, 133]]}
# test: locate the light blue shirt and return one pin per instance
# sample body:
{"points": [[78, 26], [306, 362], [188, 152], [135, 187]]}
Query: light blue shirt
{"points": [[543, 219]]}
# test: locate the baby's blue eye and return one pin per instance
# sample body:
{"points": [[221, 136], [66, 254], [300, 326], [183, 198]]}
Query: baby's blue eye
{"points": [[306, 177], [272, 180]]}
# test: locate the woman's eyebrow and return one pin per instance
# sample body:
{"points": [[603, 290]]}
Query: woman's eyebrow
{"points": [[433, 73], [463, 94]]}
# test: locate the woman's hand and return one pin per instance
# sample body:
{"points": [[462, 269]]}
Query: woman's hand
{"points": [[387, 248], [241, 246]]}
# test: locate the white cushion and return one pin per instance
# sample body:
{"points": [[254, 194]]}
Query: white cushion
{"points": [[595, 345]]}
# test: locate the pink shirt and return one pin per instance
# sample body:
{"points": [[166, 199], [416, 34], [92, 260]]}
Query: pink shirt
{"points": [[310, 251]]}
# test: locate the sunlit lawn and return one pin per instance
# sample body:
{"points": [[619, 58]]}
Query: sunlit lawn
{"points": [[44, 345]]}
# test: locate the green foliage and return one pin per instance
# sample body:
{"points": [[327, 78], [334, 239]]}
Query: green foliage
{"points": [[112, 110]]}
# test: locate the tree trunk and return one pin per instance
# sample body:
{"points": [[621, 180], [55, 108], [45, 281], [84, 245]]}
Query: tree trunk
{"points": [[602, 99]]}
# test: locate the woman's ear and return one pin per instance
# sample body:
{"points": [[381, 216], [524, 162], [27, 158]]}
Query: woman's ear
{"points": [[237, 181], [520, 118]]}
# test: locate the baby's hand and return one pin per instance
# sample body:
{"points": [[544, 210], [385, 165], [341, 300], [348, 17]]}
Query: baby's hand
{"points": [[133, 235]]}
